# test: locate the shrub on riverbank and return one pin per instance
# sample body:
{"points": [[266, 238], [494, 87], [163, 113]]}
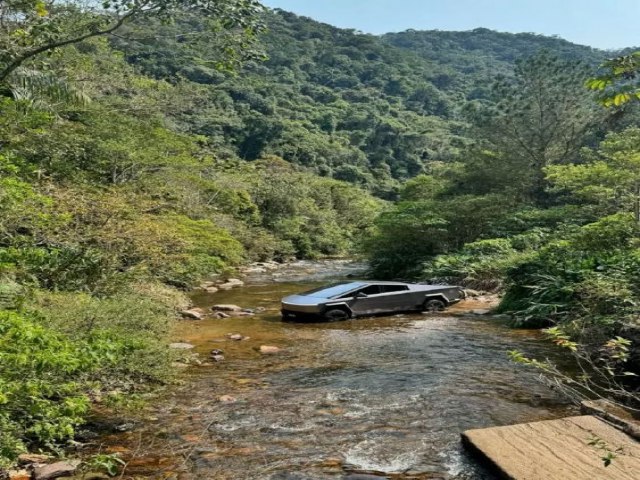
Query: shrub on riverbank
{"points": [[479, 265], [63, 349], [590, 277]]}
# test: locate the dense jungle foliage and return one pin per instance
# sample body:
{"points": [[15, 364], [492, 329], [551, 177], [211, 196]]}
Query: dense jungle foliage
{"points": [[136, 164]]}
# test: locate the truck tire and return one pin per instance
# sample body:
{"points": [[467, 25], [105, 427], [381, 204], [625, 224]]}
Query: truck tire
{"points": [[434, 305], [336, 314]]}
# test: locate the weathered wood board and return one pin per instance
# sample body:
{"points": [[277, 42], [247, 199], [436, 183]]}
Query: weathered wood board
{"points": [[556, 449]]}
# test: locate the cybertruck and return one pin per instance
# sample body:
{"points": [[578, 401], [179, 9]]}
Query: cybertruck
{"points": [[345, 300]]}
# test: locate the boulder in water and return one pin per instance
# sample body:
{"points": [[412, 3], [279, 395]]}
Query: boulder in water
{"points": [[193, 313], [226, 307], [269, 349]]}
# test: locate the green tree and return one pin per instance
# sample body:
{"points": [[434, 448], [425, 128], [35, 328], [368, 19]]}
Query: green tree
{"points": [[542, 118], [33, 27], [618, 81], [610, 177]]}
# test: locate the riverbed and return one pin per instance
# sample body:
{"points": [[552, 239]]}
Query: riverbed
{"points": [[383, 397]]}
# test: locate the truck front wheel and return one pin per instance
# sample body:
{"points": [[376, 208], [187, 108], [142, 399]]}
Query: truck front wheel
{"points": [[336, 314]]}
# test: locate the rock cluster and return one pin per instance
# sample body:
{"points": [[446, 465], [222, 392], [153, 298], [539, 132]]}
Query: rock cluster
{"points": [[260, 267], [225, 310], [38, 467], [214, 286]]}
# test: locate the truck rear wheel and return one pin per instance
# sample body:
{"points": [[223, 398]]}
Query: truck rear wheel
{"points": [[434, 305]]}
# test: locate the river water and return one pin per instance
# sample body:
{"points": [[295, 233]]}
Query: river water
{"points": [[383, 397]]}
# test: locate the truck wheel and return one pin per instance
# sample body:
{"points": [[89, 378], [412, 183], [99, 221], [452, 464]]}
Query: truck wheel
{"points": [[434, 305], [335, 314]]}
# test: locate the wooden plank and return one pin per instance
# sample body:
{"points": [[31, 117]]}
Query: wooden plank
{"points": [[556, 450], [614, 414]]}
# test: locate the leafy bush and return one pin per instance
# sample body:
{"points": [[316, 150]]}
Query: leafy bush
{"points": [[66, 347], [42, 374], [481, 265], [591, 274], [414, 232], [65, 267]]}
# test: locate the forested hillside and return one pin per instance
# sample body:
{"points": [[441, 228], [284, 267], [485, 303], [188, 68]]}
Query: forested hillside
{"points": [[365, 109], [137, 161]]}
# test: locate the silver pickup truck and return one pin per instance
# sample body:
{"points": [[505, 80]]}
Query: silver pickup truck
{"points": [[352, 299]]}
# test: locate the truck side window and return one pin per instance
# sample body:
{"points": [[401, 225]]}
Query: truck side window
{"points": [[394, 288], [370, 290]]}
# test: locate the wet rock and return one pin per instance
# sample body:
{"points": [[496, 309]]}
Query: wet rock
{"points": [[55, 470], [227, 399], [254, 270], [181, 346], [260, 309], [489, 299], [193, 313], [472, 293], [217, 358], [270, 265], [481, 311], [269, 349], [222, 315], [29, 458], [231, 283], [125, 427], [245, 314], [248, 310], [235, 336], [332, 462], [211, 289], [18, 475], [226, 307], [217, 351], [205, 285]]}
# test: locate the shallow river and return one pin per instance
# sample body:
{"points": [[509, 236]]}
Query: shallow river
{"points": [[383, 397]]}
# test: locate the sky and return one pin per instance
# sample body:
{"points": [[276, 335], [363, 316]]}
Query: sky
{"points": [[606, 24]]}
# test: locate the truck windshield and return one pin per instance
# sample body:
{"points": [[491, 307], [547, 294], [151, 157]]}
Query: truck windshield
{"points": [[333, 290]]}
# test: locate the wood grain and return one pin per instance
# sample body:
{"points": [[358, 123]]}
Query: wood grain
{"points": [[556, 449]]}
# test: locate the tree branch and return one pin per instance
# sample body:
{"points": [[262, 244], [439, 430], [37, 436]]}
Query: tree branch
{"points": [[61, 43]]}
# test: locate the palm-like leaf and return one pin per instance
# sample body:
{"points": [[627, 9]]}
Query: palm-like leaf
{"points": [[44, 91]]}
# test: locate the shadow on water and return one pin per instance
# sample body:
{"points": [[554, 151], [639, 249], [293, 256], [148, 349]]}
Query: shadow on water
{"points": [[385, 397]]}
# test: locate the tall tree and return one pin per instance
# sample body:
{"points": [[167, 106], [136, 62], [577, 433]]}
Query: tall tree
{"points": [[542, 118]]}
